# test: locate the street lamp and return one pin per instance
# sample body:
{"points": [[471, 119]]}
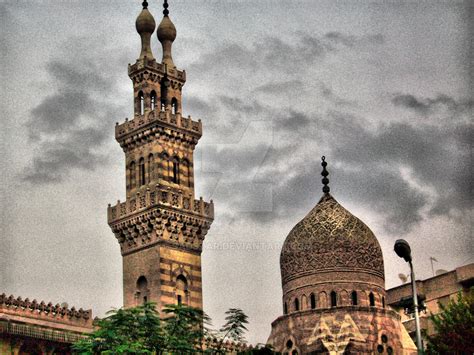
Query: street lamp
{"points": [[403, 250]]}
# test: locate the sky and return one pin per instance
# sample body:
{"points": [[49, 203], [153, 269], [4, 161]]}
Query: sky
{"points": [[383, 89]]}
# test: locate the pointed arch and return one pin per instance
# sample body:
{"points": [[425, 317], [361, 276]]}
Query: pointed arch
{"points": [[181, 289], [153, 100], [151, 168], [174, 106], [285, 308], [371, 300], [141, 172], [142, 290], [141, 102], [312, 300], [354, 300], [333, 299], [297, 304], [175, 170]]}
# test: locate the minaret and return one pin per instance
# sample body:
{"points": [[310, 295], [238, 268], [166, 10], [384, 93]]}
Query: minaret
{"points": [[161, 226]]}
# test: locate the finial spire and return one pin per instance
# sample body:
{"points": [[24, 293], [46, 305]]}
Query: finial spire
{"points": [[325, 174], [145, 25], [166, 33]]}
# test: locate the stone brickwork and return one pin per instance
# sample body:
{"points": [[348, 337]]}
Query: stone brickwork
{"points": [[161, 226], [434, 290]]}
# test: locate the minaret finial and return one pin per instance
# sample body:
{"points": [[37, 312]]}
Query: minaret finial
{"points": [[166, 33], [165, 6], [145, 4], [325, 174], [145, 25]]}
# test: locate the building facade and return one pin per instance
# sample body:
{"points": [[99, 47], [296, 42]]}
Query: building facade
{"points": [[40, 328], [334, 298], [439, 289], [160, 226]]}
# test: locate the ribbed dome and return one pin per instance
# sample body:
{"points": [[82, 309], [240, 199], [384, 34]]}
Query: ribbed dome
{"points": [[166, 30], [330, 239], [145, 22]]}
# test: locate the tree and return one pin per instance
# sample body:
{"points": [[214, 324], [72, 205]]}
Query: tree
{"points": [[233, 329], [454, 327]]}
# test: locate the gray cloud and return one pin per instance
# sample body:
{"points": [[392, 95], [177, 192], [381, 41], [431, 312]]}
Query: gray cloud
{"points": [[428, 105], [70, 125]]}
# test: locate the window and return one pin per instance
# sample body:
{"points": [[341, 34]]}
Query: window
{"points": [[186, 172], [383, 302], [133, 176], [163, 105], [297, 304], [174, 106], [181, 289], [333, 299], [141, 99], [313, 301], [153, 100], [141, 169], [142, 289], [354, 298], [175, 171], [285, 308], [372, 300], [151, 166]]}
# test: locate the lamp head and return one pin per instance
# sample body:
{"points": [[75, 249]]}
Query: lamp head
{"points": [[403, 250]]}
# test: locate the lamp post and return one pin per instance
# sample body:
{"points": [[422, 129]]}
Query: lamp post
{"points": [[403, 250]]}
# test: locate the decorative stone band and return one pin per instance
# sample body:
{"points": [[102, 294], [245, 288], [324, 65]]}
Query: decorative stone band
{"points": [[33, 331], [159, 196], [135, 69], [157, 119], [49, 309]]}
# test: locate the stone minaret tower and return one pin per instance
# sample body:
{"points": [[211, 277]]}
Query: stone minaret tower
{"points": [[160, 226]]}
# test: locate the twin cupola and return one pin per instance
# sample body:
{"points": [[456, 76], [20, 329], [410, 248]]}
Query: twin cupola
{"points": [[166, 32]]}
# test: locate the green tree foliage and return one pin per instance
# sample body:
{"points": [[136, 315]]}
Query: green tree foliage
{"points": [[454, 327], [181, 330]]}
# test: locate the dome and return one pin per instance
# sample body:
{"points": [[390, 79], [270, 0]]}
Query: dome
{"points": [[330, 239], [166, 30], [145, 22]]}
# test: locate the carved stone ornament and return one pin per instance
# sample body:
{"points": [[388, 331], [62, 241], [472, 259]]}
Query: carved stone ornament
{"points": [[330, 238]]}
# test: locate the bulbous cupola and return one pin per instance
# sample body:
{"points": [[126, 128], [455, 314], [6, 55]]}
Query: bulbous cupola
{"points": [[331, 249], [166, 33], [145, 25]]}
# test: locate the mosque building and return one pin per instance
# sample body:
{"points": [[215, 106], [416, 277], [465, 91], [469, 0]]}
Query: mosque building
{"points": [[332, 269]]}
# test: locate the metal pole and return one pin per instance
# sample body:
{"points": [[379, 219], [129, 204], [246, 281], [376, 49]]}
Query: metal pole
{"points": [[415, 304]]}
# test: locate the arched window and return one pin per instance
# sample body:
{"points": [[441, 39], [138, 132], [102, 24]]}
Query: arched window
{"points": [[141, 171], [163, 105], [372, 300], [354, 298], [181, 289], [313, 301], [383, 302], [133, 175], [333, 299], [174, 106], [142, 289], [297, 304], [175, 171], [151, 166], [141, 99], [153, 100], [285, 308], [165, 166]]}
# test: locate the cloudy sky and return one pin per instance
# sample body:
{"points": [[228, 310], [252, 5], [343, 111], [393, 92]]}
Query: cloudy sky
{"points": [[382, 89]]}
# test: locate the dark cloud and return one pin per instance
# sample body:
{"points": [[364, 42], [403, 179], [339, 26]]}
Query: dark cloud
{"points": [[70, 125], [428, 105]]}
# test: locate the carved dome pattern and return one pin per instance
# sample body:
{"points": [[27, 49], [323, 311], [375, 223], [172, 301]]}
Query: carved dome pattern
{"points": [[330, 238]]}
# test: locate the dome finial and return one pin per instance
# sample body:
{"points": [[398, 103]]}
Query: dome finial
{"points": [[325, 174], [166, 33], [145, 25]]}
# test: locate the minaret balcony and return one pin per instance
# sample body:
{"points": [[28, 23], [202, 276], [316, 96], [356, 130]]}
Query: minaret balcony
{"points": [[161, 68], [158, 118], [160, 197]]}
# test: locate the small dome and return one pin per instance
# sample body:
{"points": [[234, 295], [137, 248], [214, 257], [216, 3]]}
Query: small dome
{"points": [[166, 30], [330, 239], [145, 22]]}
